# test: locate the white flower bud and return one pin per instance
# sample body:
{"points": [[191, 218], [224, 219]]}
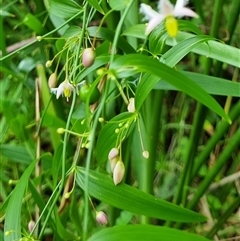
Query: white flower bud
{"points": [[52, 80], [88, 57], [113, 153], [101, 218], [31, 225], [118, 172]]}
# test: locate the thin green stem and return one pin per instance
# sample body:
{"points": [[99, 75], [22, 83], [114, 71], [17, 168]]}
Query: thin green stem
{"points": [[182, 191], [118, 31], [41, 37], [149, 128], [64, 155], [232, 207], [233, 143], [221, 129]]}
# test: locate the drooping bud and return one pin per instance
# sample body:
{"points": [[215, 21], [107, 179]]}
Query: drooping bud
{"points": [[145, 154], [131, 105], [113, 163], [101, 218], [31, 225], [118, 172], [52, 81], [48, 63], [113, 153], [88, 57]]}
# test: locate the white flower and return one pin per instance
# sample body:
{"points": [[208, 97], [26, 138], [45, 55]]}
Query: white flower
{"points": [[65, 88], [166, 11]]}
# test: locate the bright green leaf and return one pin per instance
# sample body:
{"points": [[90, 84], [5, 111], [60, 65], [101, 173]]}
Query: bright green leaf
{"points": [[144, 232], [131, 199], [96, 5], [13, 213], [64, 8], [141, 63]]}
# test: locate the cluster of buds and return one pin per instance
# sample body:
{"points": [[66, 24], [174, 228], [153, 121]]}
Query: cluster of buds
{"points": [[66, 88], [117, 166]]}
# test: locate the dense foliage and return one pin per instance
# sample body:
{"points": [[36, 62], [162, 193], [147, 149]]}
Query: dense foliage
{"points": [[119, 120]]}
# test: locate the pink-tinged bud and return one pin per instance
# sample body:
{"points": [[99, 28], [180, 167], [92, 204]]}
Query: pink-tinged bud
{"points": [[52, 81], [113, 153], [113, 163], [101, 218], [88, 57], [131, 105], [31, 225], [118, 172]]}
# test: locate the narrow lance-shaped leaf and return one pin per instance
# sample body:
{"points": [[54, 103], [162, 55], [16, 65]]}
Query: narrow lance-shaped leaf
{"points": [[141, 63], [144, 232], [131, 199]]}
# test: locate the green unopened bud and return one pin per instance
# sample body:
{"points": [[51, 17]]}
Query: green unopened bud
{"points": [[7, 233], [67, 195], [39, 38], [145, 154], [52, 81], [60, 130], [118, 172], [101, 120], [48, 63], [88, 57], [101, 218]]}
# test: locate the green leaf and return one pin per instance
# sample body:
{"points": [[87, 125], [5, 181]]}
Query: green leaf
{"points": [[108, 138], [13, 213], [64, 8], [131, 199], [33, 23], [144, 232], [118, 5], [177, 52], [15, 153], [96, 5], [215, 50], [141, 63], [211, 85]]}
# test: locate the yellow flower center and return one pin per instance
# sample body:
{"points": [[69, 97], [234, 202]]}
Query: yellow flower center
{"points": [[67, 92], [171, 26]]}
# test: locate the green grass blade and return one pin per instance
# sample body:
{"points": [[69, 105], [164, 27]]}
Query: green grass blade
{"points": [[13, 213]]}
